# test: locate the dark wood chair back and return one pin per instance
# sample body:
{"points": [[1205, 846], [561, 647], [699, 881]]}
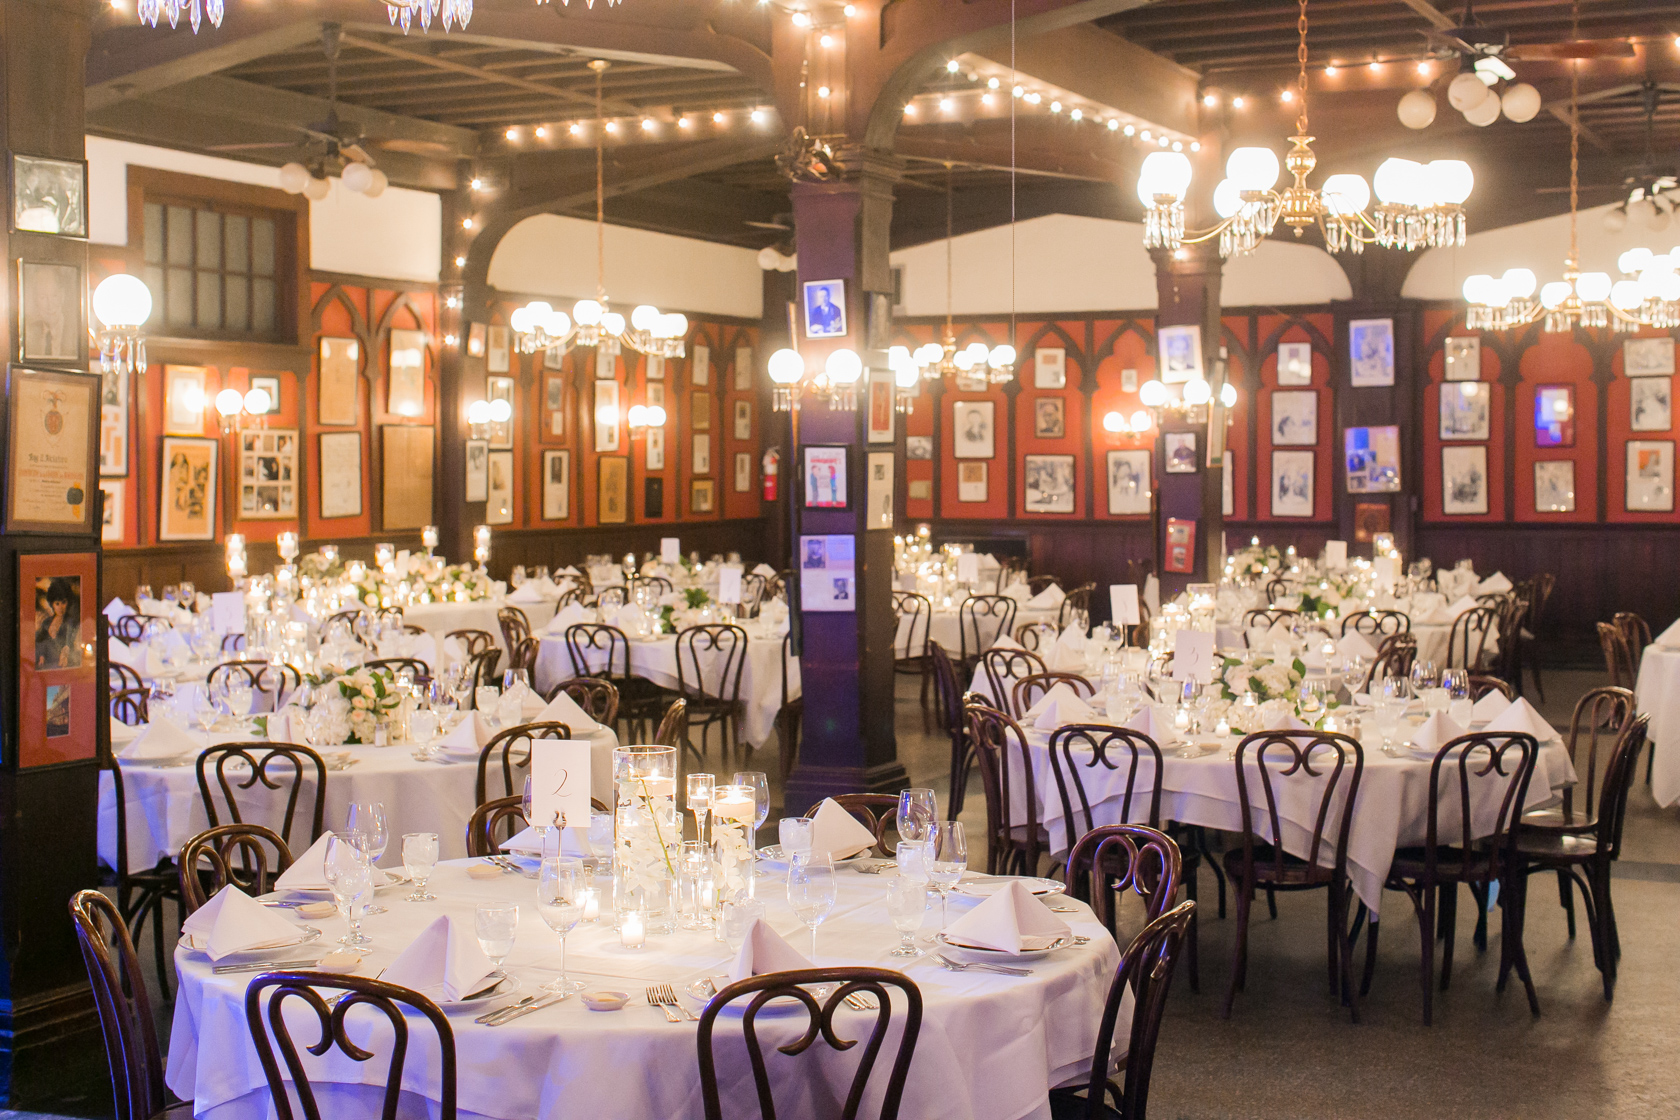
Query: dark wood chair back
{"points": [[233, 643], [1618, 782], [1013, 846], [913, 613], [504, 749], [1468, 638], [1289, 756], [1618, 658], [124, 1008], [1038, 584], [1637, 633], [1031, 688], [275, 766], [249, 856], [1080, 749], [129, 628], [482, 668], [523, 655], [754, 593], [1265, 618], [1276, 588], [948, 701], [413, 666], [575, 594], [597, 696], [863, 807], [1481, 684], [122, 677], [673, 725], [1484, 756], [659, 584], [612, 598], [265, 1016], [473, 641], [1375, 624], [515, 626], [271, 683], [1076, 604], [756, 991], [790, 716], [130, 706], [1113, 859], [1003, 667], [1394, 658], [1036, 637], [488, 818], [355, 621], [608, 644], [710, 661], [981, 620], [1602, 716]]}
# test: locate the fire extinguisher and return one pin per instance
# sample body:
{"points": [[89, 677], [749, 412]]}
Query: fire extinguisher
{"points": [[772, 459]]}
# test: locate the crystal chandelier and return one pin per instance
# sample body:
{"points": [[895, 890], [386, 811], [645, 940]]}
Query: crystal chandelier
{"points": [[456, 12], [150, 10], [935, 361], [122, 303], [1419, 206]]}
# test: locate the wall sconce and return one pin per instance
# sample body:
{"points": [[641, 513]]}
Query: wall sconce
{"points": [[122, 303], [1118, 423], [481, 545], [836, 381], [231, 404], [482, 413], [1186, 403]]}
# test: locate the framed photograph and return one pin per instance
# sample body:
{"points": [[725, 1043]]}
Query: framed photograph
{"points": [[970, 382], [653, 497], [1049, 484], [700, 366], [971, 482], [496, 350], [269, 384], [113, 424], [1373, 459], [1650, 475], [554, 400], [882, 392], [268, 474], [1371, 352], [112, 509], [1181, 545], [743, 369], [1128, 482], [702, 495], [1227, 483], [183, 400], [824, 468], [49, 195], [973, 436], [557, 485], [1050, 368], [613, 490], [918, 447], [880, 490], [654, 368], [1464, 480], [49, 312], [58, 674], [341, 474], [406, 495], [700, 453], [743, 419], [405, 393], [1180, 353], [336, 392], [656, 395], [1463, 360], [475, 340], [1651, 404], [1371, 519], [1292, 483], [1180, 452], [921, 489], [606, 359], [743, 472], [1465, 410], [499, 389], [1128, 381], [606, 416], [1648, 357], [499, 510], [1294, 363], [187, 489], [1554, 486], [478, 470], [700, 412], [53, 451], [656, 449], [1295, 418], [554, 358], [1050, 418], [1554, 416], [825, 308]]}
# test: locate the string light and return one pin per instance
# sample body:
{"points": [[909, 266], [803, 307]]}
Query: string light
{"points": [[513, 134], [717, 118], [822, 91]]}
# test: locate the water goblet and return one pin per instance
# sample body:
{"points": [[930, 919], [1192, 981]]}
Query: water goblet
{"points": [[759, 783], [496, 927], [420, 853], [1396, 695], [485, 697], [906, 906], [1424, 675], [811, 892], [348, 872], [366, 819], [947, 860], [917, 809], [561, 884]]}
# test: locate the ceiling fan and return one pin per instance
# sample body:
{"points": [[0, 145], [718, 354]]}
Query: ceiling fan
{"points": [[1645, 186]]}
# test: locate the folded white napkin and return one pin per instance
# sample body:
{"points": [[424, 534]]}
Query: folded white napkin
{"points": [[837, 833], [309, 871], [1148, 721], [1435, 732], [1496, 584], [116, 609], [1668, 639], [1283, 721], [1354, 644], [1018, 592], [1521, 716], [1459, 606], [527, 592], [1048, 599], [468, 735], [764, 570], [570, 615], [1004, 641], [1428, 600], [548, 587], [155, 608], [453, 652], [446, 954], [1489, 707], [233, 922], [570, 570], [630, 617], [564, 709], [765, 950], [284, 726], [1011, 920], [1061, 705], [573, 842], [162, 738], [135, 656], [1068, 654], [531, 705]]}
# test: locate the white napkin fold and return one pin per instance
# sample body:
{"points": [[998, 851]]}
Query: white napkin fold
{"points": [[764, 570], [563, 709], [1668, 639], [570, 615], [1521, 716], [1068, 654], [116, 609], [1354, 644], [1018, 592], [548, 587], [765, 950], [1148, 722], [468, 735], [531, 705], [573, 842], [162, 738], [1004, 641], [1048, 599], [1489, 707], [630, 617], [527, 592], [1011, 920], [1496, 584], [446, 953], [1284, 721], [1435, 732], [309, 871], [837, 833], [1061, 705], [233, 922], [570, 570], [1459, 606]]}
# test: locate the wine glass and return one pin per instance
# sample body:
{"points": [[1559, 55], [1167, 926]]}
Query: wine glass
{"points": [[811, 892], [947, 860], [517, 576], [420, 853], [917, 808], [238, 692], [759, 783], [1396, 695], [560, 896], [541, 828], [1424, 676], [496, 927], [366, 819], [516, 680], [485, 698], [350, 875], [1456, 684], [700, 788], [906, 906]]}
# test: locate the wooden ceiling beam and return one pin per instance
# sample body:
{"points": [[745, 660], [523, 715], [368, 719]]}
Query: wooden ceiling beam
{"points": [[558, 93], [1438, 19], [538, 190]]}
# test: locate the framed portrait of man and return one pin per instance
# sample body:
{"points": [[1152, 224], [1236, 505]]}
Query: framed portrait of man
{"points": [[825, 308]]}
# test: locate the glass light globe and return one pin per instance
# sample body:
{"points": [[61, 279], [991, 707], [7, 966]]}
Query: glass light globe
{"points": [[1396, 180], [768, 258], [976, 352], [357, 176], [676, 325], [122, 301], [1228, 395], [587, 313], [257, 402], [1594, 287], [1500, 294], [1227, 198], [1347, 194], [378, 185], [843, 366], [786, 367], [1253, 168], [655, 416], [1626, 294], [929, 352], [644, 317], [1153, 394], [1197, 391], [638, 416], [1164, 173], [1668, 287], [1114, 422], [1417, 109], [963, 360], [1140, 421], [1521, 102], [520, 320], [501, 411], [1485, 113], [1002, 355], [1552, 295], [1466, 91], [898, 357], [906, 375], [557, 324], [229, 402], [317, 189], [1478, 288], [612, 322], [1450, 180], [293, 177], [1520, 282], [1615, 220], [478, 412], [1634, 261]]}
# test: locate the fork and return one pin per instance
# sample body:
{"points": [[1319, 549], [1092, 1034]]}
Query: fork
{"points": [[656, 998], [670, 998], [958, 966], [863, 1001]]}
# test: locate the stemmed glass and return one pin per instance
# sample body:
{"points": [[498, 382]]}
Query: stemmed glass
{"points": [[1396, 695], [811, 892], [906, 906], [947, 860], [560, 896], [700, 787], [917, 809], [541, 828], [1456, 683], [350, 875], [420, 853], [759, 783], [496, 927], [365, 825], [1424, 676]]}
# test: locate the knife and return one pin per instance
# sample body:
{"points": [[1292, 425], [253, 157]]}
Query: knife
{"points": [[504, 1009], [516, 1012], [264, 966]]}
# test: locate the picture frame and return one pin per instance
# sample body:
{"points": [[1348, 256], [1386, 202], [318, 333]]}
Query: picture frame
{"points": [[1648, 357], [825, 477], [743, 472], [268, 474], [653, 497], [1554, 486], [1464, 481], [1227, 483], [881, 490], [478, 470], [700, 453], [50, 313], [1129, 491], [700, 366], [1371, 519], [1179, 452], [270, 384], [743, 420], [606, 359], [882, 408], [971, 482], [1180, 551], [1650, 476], [341, 474], [554, 358], [974, 429], [655, 444], [53, 419], [113, 509], [498, 509], [700, 412], [496, 358], [113, 424], [612, 490], [405, 386], [1371, 457], [1371, 353], [825, 308], [1295, 418], [335, 391], [1462, 358], [187, 481], [654, 368], [1465, 410], [59, 690], [1050, 418], [1293, 483], [743, 369], [49, 196], [554, 401], [702, 495], [1050, 368], [1048, 484], [1651, 404], [476, 336], [409, 453], [921, 489], [184, 400], [918, 447], [1180, 353], [501, 432], [1294, 363], [1554, 416], [606, 416], [1128, 381]]}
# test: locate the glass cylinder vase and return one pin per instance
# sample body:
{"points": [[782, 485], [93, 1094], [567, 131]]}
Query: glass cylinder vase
{"points": [[647, 835], [733, 811]]}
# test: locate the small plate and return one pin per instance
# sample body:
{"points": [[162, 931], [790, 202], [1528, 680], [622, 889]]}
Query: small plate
{"points": [[393, 879], [305, 934], [508, 985], [986, 886], [773, 854], [999, 954]]}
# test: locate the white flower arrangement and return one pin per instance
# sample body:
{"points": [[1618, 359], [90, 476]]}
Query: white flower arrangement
{"points": [[1255, 560], [350, 706]]}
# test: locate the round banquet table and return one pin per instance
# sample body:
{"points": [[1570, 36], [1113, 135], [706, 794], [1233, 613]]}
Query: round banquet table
{"points": [[990, 1046], [1658, 695], [943, 628], [165, 810], [1432, 639], [438, 619]]}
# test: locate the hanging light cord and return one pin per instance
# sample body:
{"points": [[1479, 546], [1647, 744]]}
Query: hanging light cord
{"points": [[1013, 78], [599, 65], [1574, 133], [1301, 57]]}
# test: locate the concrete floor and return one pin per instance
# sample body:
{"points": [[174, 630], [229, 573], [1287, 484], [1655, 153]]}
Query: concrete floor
{"points": [[1289, 1051]]}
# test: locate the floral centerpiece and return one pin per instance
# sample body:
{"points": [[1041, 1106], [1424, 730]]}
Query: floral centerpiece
{"points": [[1325, 600], [1254, 560], [1265, 677], [425, 579], [645, 832], [349, 707]]}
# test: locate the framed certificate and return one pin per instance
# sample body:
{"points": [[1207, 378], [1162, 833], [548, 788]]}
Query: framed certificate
{"points": [[53, 465]]}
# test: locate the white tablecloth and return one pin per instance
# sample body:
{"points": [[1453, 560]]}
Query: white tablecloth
{"points": [[943, 628], [439, 619], [165, 809], [1432, 640], [1658, 694], [990, 1046]]}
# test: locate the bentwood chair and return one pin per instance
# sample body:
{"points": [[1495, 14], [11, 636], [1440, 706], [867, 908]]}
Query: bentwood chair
{"points": [[481, 668], [472, 641], [1276, 588], [131, 706], [1394, 659], [1481, 684], [1076, 605], [413, 666], [948, 694], [249, 856], [1377, 624], [754, 594], [128, 628], [673, 728], [1618, 658], [1637, 632], [612, 598], [981, 620], [140, 894], [1031, 688], [270, 683], [1113, 859], [751, 994], [1264, 619], [491, 817], [123, 678], [1003, 667], [863, 807], [1540, 595], [1468, 638], [791, 714], [608, 648], [658, 586], [515, 626], [1013, 846], [596, 696], [511, 750], [275, 766], [1037, 585], [913, 615], [710, 662], [125, 1011], [1145, 975], [266, 1003]]}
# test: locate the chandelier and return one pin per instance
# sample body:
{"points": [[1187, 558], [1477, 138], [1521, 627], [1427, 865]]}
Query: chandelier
{"points": [[540, 326], [122, 303], [935, 361], [1419, 206], [150, 10], [402, 13]]}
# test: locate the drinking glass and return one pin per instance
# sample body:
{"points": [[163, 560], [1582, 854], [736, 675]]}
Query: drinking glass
{"points": [[423, 727], [186, 593], [1424, 675], [516, 680], [917, 809], [541, 828], [517, 576], [759, 782], [420, 853], [947, 860], [1456, 683], [912, 859], [795, 835], [366, 819], [906, 906], [495, 927], [142, 591], [1396, 695], [601, 837], [1310, 700], [739, 914], [485, 698], [811, 892], [560, 896], [238, 695], [350, 875], [700, 787]]}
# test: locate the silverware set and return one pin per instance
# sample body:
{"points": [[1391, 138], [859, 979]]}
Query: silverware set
{"points": [[261, 966], [959, 966], [508, 865], [519, 1008], [664, 997], [863, 1001]]}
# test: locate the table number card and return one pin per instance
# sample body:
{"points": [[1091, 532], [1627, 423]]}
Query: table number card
{"points": [[968, 567], [1335, 555], [227, 611], [1193, 656], [670, 550], [1386, 569], [560, 782], [1123, 604], [729, 584]]}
